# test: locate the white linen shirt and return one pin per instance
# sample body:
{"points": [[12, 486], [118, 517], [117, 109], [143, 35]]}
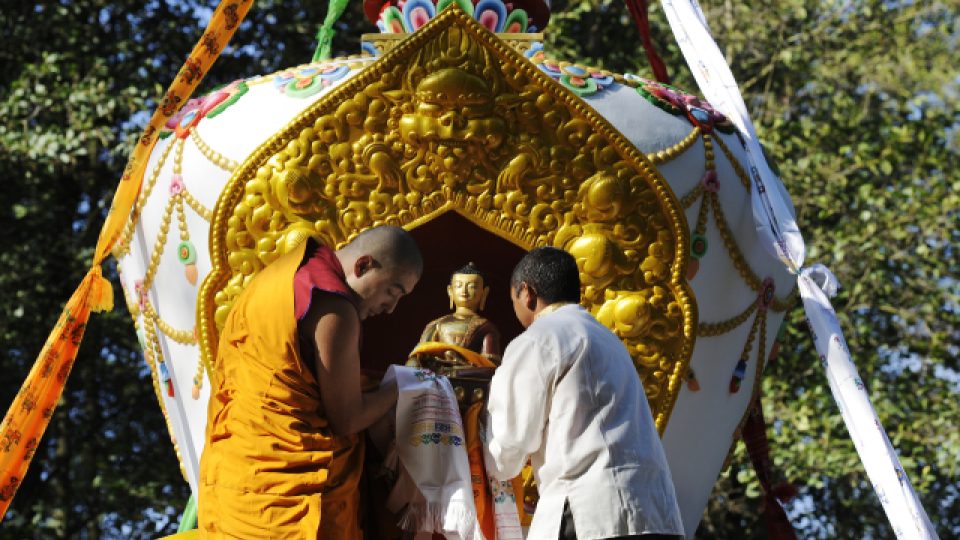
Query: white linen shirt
{"points": [[568, 396]]}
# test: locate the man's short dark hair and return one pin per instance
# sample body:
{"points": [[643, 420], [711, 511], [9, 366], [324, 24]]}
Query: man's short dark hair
{"points": [[552, 273]]}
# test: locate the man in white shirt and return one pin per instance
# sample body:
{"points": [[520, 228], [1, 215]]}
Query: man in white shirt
{"points": [[568, 396]]}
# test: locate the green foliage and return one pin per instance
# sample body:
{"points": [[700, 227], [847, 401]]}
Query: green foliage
{"points": [[857, 103], [77, 83], [859, 106], [860, 116], [106, 461]]}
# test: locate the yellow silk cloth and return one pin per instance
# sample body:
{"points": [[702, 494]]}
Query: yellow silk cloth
{"points": [[437, 347], [30, 413], [271, 467]]}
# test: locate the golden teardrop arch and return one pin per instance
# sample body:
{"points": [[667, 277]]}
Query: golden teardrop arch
{"points": [[453, 120]]}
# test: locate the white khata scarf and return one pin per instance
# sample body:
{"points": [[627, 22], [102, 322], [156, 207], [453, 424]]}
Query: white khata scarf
{"points": [[505, 515], [432, 448]]}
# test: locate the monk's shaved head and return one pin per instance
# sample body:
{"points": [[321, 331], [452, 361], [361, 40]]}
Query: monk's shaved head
{"points": [[392, 246], [382, 265]]}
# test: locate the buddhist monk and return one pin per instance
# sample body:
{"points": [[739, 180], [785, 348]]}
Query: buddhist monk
{"points": [[283, 457]]}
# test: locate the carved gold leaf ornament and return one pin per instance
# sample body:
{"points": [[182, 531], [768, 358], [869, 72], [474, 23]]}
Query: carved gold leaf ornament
{"points": [[383, 43], [453, 119]]}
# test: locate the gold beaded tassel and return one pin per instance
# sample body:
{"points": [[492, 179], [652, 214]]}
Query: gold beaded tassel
{"points": [[739, 372], [212, 155], [151, 357], [152, 351], [707, 187], [157, 252], [123, 245], [706, 191], [186, 252], [762, 303], [197, 381], [153, 344]]}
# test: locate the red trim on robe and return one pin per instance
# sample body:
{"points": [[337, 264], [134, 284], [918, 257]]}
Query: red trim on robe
{"points": [[321, 271]]}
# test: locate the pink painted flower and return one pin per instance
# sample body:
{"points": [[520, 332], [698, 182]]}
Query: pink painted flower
{"points": [[176, 185], [141, 294]]}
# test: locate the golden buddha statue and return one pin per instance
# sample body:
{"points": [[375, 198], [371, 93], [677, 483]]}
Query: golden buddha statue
{"points": [[462, 345]]}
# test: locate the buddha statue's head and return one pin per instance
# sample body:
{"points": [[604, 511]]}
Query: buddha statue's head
{"points": [[467, 291]]}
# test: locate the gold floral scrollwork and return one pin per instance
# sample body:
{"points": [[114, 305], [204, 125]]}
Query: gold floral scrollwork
{"points": [[625, 248], [452, 119], [648, 321]]}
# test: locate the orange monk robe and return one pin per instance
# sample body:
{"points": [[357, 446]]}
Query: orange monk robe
{"points": [[271, 467]]}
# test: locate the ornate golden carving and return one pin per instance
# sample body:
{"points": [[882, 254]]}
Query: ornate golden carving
{"points": [[384, 43], [521, 42], [453, 119]]}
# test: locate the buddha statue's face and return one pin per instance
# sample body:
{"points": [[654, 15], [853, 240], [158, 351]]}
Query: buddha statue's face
{"points": [[467, 292]]}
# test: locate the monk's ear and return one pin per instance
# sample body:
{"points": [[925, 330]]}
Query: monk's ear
{"points": [[364, 264]]}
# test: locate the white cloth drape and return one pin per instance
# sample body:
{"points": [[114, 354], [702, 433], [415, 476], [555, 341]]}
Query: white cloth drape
{"points": [[431, 446], [779, 234], [434, 490], [893, 488]]}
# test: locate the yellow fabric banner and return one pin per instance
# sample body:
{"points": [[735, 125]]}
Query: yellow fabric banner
{"points": [[32, 408]]}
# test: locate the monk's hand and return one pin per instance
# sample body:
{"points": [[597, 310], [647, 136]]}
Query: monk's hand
{"points": [[392, 389]]}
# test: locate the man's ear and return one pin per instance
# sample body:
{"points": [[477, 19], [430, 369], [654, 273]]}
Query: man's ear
{"points": [[364, 264], [530, 298]]}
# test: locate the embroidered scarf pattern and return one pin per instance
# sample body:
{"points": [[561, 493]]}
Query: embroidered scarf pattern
{"points": [[431, 448]]}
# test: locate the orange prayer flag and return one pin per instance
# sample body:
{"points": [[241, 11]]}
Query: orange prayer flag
{"points": [[32, 408]]}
